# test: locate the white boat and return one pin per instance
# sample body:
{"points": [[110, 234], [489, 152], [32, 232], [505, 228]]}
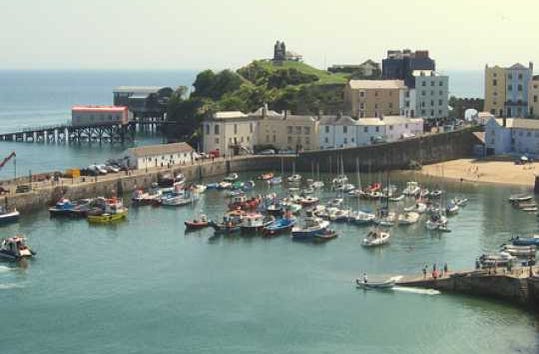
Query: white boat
{"points": [[437, 222], [361, 217], [347, 187], [412, 189], [179, 198], [520, 198], [376, 237], [396, 199], [231, 177], [339, 180], [436, 193], [337, 214], [295, 178], [15, 248], [317, 184], [384, 285], [255, 222], [452, 209], [460, 201], [335, 202], [8, 216], [224, 185], [420, 208], [520, 251], [408, 218], [199, 188], [310, 226]]}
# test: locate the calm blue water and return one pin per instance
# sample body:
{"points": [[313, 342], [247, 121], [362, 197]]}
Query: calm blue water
{"points": [[143, 286]]}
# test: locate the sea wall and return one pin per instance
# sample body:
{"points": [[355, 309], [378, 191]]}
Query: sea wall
{"points": [[397, 155]]}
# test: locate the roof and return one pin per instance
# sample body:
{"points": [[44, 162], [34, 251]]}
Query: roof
{"points": [[269, 113], [229, 114], [115, 109], [370, 121], [376, 84], [400, 120], [518, 66], [480, 136], [295, 118], [337, 120], [162, 149], [138, 89]]}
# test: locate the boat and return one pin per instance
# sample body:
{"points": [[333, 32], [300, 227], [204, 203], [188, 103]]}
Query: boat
{"points": [[533, 240], [197, 223], [460, 201], [361, 217], [178, 198], [437, 222], [15, 248], [8, 216], [224, 185], [451, 209], [234, 193], [376, 237], [295, 178], [198, 188], [338, 215], [420, 208], [412, 189], [308, 201], [317, 184], [325, 236], [347, 187], [396, 199], [255, 222], [231, 177], [520, 251], [266, 176], [213, 185], [292, 207], [113, 211], [238, 185], [436, 193], [385, 217], [280, 226], [496, 260], [310, 227], [335, 202], [275, 181], [241, 202], [275, 209], [248, 185], [228, 226], [408, 218], [520, 198], [140, 197], [339, 180], [63, 207], [368, 285]]}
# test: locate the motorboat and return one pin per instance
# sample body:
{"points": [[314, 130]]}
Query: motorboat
{"points": [[335, 202], [308, 201], [520, 251], [451, 209], [339, 180], [408, 218], [242, 202], [266, 176], [317, 184], [248, 185], [295, 178], [275, 209], [520, 198], [419, 207], [140, 197], [496, 260], [275, 181], [361, 217], [460, 201], [376, 237], [8, 216], [307, 191], [309, 227], [213, 185], [347, 187], [231, 177], [292, 207], [255, 222], [412, 189], [385, 217], [532, 240], [338, 215], [280, 226], [237, 185], [224, 185], [15, 248], [179, 198], [229, 225], [437, 222], [63, 207], [436, 193], [325, 236], [197, 223], [113, 211], [368, 285]]}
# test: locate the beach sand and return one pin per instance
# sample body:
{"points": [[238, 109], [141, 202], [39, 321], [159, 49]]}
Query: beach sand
{"points": [[471, 170]]}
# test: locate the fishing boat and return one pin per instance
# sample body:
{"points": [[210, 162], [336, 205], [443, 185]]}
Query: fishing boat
{"points": [[63, 207], [361, 217], [280, 226], [140, 197], [197, 223], [310, 227], [408, 218], [228, 226], [15, 248], [520, 198], [8, 216], [178, 198], [241, 202], [376, 237], [275, 181], [295, 178], [363, 283], [113, 211], [460, 201], [266, 176], [532, 240], [412, 189], [255, 222], [275, 209], [231, 177], [325, 236]]}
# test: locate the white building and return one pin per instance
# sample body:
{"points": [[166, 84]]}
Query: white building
{"points": [[160, 155], [512, 136], [227, 130], [429, 99], [98, 115], [343, 131]]}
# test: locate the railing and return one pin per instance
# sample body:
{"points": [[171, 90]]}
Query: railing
{"points": [[46, 127]]}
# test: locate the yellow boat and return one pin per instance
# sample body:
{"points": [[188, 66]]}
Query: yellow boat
{"points": [[108, 217]]}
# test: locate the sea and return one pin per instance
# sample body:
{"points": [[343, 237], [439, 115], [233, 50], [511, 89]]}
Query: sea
{"points": [[146, 286]]}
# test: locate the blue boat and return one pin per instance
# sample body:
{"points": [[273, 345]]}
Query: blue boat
{"points": [[275, 180], [63, 207], [279, 226], [311, 227], [526, 241], [212, 185], [7, 216]]}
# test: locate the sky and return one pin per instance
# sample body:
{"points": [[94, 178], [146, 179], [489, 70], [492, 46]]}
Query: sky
{"points": [[217, 34]]}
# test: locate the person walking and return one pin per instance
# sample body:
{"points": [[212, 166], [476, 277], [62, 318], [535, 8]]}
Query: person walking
{"points": [[425, 272]]}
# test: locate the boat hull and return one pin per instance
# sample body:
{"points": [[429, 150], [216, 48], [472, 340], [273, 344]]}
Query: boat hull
{"points": [[106, 218], [9, 218]]}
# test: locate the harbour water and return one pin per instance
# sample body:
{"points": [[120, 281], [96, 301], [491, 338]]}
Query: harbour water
{"points": [[144, 286]]}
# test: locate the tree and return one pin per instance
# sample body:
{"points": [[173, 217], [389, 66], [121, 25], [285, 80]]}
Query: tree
{"points": [[214, 86]]}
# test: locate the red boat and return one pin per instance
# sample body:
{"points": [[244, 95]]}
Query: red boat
{"points": [[266, 176], [197, 224], [242, 203]]}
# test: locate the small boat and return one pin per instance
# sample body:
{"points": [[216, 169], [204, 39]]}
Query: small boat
{"points": [[376, 237], [295, 178], [325, 236], [228, 226], [460, 201], [292, 207], [255, 222], [348, 187], [213, 185], [231, 177], [198, 188], [113, 211], [15, 248], [420, 208], [520, 251], [396, 199], [361, 217], [140, 197], [238, 185], [249, 185], [266, 176], [339, 180], [275, 181], [525, 241], [317, 184], [197, 223], [451, 209], [520, 198], [408, 218], [241, 202], [497, 260], [335, 202], [308, 201], [178, 198], [437, 222], [224, 185], [338, 215], [234, 193], [412, 189], [367, 285], [63, 207], [385, 217], [307, 191], [8, 216], [280, 226], [275, 209], [310, 227], [436, 193]]}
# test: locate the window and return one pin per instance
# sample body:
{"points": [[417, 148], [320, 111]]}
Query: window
{"points": [[375, 93], [423, 83], [377, 129], [535, 99], [327, 128], [432, 112], [390, 127], [345, 129], [289, 130], [217, 140], [494, 74], [274, 138], [407, 104], [216, 129], [407, 94], [235, 129], [390, 105], [307, 140], [362, 106], [345, 140], [440, 102], [494, 82], [326, 140], [248, 139], [298, 130], [366, 129], [307, 130], [376, 106], [423, 112], [510, 76], [250, 127], [510, 88], [406, 126], [519, 88], [441, 83], [441, 93], [207, 129], [361, 94], [353, 140], [440, 112], [423, 93], [241, 140], [520, 76], [267, 138], [529, 134], [432, 83], [289, 140], [432, 103]]}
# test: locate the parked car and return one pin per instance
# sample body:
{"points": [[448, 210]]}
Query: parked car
{"points": [[3, 191], [112, 168], [214, 153], [98, 169], [267, 152]]}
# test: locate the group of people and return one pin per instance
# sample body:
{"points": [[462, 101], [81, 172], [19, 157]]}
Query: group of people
{"points": [[435, 272]]}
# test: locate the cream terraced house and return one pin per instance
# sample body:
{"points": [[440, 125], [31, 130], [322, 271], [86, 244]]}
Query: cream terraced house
{"points": [[373, 98], [228, 130], [159, 155]]}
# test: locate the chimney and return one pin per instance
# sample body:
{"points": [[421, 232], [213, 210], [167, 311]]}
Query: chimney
{"points": [[504, 120], [265, 110], [531, 67]]}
